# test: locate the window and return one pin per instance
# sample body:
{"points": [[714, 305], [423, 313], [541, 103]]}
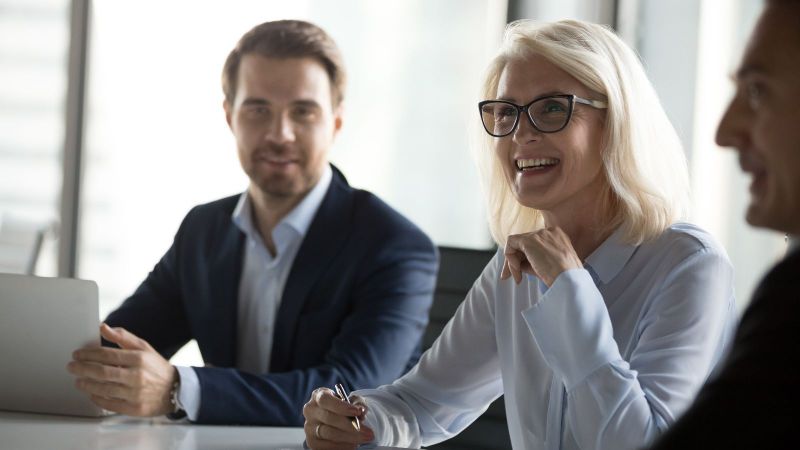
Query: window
{"points": [[157, 142], [34, 44], [689, 49]]}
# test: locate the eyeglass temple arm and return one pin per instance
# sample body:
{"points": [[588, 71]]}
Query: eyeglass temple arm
{"points": [[593, 103]]}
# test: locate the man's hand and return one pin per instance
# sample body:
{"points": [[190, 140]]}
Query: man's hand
{"points": [[134, 379]]}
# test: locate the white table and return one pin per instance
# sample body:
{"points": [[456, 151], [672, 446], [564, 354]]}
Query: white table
{"points": [[19, 431]]}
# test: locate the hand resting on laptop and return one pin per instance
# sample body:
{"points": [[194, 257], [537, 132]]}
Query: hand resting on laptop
{"points": [[134, 379]]}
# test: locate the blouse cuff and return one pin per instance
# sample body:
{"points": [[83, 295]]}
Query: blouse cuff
{"points": [[570, 324], [189, 392]]}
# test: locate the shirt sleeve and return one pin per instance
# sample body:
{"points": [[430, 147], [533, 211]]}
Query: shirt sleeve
{"points": [[618, 403], [189, 392], [454, 382]]}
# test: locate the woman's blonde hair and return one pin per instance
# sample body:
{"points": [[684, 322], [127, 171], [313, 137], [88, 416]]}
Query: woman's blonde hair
{"points": [[643, 160]]}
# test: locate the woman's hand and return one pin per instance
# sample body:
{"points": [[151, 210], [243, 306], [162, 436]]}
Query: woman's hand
{"points": [[328, 421], [544, 253]]}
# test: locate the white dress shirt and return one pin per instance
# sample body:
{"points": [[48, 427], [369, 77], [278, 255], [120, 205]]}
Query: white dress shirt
{"points": [[260, 286], [606, 358], [792, 243]]}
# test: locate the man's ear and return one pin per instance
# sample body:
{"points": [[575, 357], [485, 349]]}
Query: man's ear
{"points": [[228, 112], [338, 115]]}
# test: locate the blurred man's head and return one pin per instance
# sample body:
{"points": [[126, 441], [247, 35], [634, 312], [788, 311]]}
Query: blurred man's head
{"points": [[763, 120], [284, 85]]}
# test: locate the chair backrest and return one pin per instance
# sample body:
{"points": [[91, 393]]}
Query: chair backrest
{"points": [[20, 244], [458, 270]]}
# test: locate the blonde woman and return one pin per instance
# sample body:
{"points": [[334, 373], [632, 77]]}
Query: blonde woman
{"points": [[602, 314]]}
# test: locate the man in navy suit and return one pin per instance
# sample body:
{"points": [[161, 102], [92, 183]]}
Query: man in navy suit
{"points": [[299, 282], [753, 401]]}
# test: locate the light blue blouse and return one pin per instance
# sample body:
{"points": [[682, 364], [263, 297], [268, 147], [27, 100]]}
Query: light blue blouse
{"points": [[606, 358]]}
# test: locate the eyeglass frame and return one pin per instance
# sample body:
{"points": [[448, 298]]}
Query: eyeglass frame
{"points": [[598, 104]]}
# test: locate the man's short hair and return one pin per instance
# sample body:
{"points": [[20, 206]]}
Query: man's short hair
{"points": [[287, 39]]}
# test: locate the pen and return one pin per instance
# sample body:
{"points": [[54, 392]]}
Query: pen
{"points": [[346, 397]]}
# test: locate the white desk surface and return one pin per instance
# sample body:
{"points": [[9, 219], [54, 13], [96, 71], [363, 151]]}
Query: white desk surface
{"points": [[20, 431]]}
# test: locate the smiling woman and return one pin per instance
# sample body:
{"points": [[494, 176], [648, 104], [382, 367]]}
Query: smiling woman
{"points": [[612, 298], [568, 179], [651, 184]]}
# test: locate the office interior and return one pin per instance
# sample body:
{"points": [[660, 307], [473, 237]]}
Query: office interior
{"points": [[112, 128]]}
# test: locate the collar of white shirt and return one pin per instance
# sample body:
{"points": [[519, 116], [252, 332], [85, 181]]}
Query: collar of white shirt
{"points": [[296, 222], [793, 242], [610, 257]]}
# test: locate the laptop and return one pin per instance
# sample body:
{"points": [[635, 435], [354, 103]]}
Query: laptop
{"points": [[42, 321]]}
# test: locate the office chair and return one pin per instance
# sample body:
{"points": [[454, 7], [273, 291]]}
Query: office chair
{"points": [[458, 270], [20, 244]]}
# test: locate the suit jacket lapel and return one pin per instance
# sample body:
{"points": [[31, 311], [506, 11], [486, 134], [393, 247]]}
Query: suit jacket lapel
{"points": [[320, 245], [223, 279]]}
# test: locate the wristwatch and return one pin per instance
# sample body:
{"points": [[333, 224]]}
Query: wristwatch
{"points": [[177, 411]]}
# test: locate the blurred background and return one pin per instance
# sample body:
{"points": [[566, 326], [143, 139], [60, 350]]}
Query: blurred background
{"points": [[112, 128]]}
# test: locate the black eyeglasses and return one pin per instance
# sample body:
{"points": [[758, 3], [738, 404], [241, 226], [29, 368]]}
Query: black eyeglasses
{"points": [[548, 114]]}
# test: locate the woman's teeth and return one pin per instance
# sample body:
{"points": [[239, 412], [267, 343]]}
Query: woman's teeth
{"points": [[523, 164]]}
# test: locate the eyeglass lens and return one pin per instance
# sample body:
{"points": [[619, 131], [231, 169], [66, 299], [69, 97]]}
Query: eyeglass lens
{"points": [[548, 115]]}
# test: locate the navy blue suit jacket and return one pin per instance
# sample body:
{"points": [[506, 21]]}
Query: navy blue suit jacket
{"points": [[353, 309]]}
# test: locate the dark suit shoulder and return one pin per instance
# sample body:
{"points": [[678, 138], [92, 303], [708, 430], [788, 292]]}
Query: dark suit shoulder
{"points": [[773, 315], [367, 208], [374, 218], [207, 228], [784, 275], [370, 234], [210, 216], [224, 206]]}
